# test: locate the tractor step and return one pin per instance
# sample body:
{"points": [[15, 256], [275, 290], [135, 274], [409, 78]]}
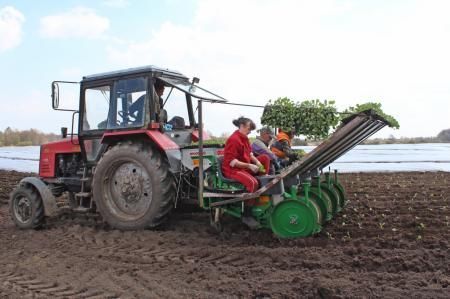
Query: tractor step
{"points": [[81, 210], [83, 194]]}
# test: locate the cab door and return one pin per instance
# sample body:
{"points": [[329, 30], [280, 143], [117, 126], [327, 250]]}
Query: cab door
{"points": [[94, 108], [114, 105]]}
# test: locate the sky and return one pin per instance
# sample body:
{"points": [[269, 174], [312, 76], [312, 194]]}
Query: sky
{"points": [[392, 52]]}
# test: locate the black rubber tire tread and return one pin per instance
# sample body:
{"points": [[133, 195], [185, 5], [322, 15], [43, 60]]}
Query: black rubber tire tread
{"points": [[37, 212], [163, 185]]}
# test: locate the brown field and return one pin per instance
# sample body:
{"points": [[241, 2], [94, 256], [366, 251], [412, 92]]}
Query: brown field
{"points": [[391, 241]]}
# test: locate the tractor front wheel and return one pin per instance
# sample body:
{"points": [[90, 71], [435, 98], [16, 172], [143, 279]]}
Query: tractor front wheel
{"points": [[26, 207], [133, 187]]}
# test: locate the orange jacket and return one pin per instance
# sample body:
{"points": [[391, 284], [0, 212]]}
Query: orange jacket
{"points": [[277, 149]]}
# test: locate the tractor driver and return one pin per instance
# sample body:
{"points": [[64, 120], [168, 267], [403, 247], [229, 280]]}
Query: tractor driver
{"points": [[239, 163], [177, 122], [159, 89], [161, 114]]}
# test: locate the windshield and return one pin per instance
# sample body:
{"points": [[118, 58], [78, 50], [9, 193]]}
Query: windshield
{"points": [[194, 90]]}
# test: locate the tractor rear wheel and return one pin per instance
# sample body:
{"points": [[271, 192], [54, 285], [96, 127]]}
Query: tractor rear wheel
{"points": [[133, 187], [26, 207]]}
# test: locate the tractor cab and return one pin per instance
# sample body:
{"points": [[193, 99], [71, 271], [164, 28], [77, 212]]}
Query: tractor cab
{"points": [[115, 105], [120, 102]]}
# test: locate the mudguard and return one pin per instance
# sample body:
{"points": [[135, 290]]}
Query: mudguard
{"points": [[49, 201], [162, 141]]}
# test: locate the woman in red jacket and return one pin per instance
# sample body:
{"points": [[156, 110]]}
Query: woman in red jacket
{"points": [[238, 162]]}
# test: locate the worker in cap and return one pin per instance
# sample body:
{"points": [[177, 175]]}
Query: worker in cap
{"points": [[261, 147]]}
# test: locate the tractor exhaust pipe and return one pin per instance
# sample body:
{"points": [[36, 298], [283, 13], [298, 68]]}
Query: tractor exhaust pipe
{"points": [[63, 132]]}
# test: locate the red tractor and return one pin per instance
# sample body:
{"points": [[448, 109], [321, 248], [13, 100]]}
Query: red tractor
{"points": [[125, 158], [132, 164]]}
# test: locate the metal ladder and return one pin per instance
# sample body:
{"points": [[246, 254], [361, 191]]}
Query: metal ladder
{"points": [[83, 195]]}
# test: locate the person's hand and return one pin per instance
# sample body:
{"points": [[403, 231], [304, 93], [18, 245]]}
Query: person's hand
{"points": [[253, 168], [261, 168]]}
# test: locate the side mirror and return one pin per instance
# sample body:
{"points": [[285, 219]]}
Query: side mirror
{"points": [[55, 95], [195, 80]]}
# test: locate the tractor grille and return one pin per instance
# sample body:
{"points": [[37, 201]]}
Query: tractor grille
{"points": [[44, 167]]}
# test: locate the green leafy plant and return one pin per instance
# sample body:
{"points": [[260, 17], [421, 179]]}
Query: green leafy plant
{"points": [[393, 123], [280, 114], [313, 118]]}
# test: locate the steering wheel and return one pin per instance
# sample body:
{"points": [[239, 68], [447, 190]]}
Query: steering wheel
{"points": [[131, 116]]}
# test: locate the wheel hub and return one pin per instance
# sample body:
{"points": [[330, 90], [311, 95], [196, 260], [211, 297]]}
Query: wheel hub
{"points": [[22, 209], [128, 182], [293, 219], [130, 188]]}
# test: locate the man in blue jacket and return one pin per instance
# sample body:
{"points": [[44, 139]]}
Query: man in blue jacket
{"points": [[261, 146]]}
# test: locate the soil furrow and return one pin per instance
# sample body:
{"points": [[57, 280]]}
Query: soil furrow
{"points": [[390, 241]]}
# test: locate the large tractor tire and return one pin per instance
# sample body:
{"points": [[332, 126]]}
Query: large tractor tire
{"points": [[133, 187], [26, 207]]}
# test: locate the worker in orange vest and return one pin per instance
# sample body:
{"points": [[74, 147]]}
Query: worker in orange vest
{"points": [[282, 147]]}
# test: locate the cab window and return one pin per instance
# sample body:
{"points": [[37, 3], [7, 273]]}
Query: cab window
{"points": [[128, 105], [175, 105], [96, 108]]}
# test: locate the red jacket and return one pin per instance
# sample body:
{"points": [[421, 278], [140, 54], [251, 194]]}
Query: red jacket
{"points": [[236, 147]]}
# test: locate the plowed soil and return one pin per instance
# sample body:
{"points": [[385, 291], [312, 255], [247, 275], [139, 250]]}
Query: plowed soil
{"points": [[391, 241]]}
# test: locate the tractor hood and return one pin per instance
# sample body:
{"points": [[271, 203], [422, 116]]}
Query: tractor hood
{"points": [[49, 151]]}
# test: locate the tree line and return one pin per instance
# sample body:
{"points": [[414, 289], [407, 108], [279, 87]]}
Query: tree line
{"points": [[13, 137], [442, 137]]}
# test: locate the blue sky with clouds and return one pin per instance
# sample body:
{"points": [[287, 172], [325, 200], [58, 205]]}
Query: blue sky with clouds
{"points": [[393, 52]]}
